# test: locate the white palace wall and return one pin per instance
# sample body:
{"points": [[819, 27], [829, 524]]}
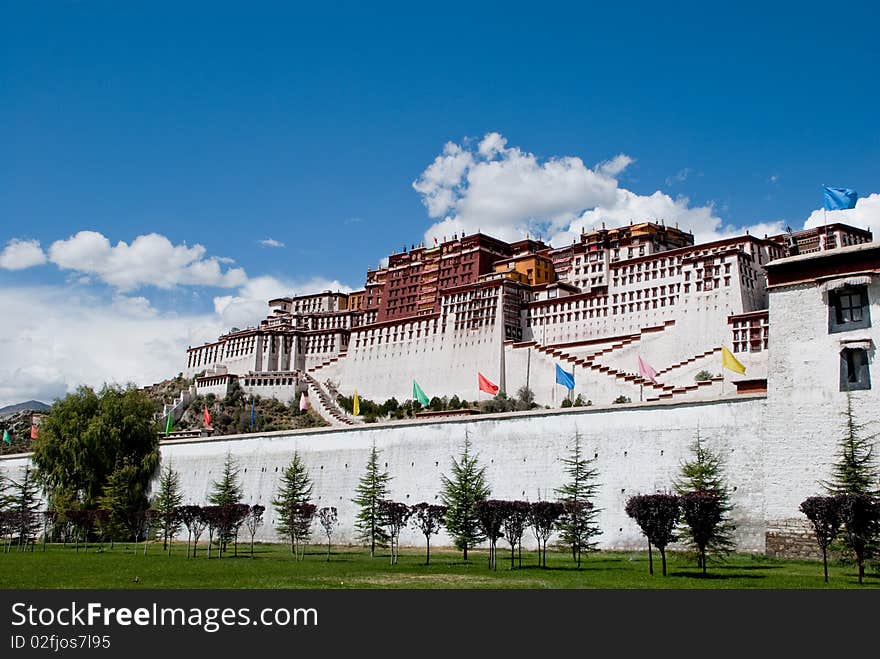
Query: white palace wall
{"points": [[638, 449]]}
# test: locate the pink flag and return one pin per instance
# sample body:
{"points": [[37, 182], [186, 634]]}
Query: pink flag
{"points": [[646, 371], [303, 402]]}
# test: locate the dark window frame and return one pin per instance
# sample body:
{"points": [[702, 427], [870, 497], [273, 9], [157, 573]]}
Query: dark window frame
{"points": [[855, 374], [841, 309]]}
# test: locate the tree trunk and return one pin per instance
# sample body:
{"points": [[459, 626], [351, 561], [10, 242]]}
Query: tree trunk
{"points": [[650, 560], [465, 552], [825, 562], [428, 550], [663, 559], [703, 559]]}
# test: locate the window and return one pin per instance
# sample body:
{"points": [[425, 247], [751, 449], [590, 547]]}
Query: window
{"points": [[848, 309], [854, 374]]}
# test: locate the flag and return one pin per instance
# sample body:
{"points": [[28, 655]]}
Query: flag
{"points": [[564, 378], [837, 199], [419, 395], [168, 423], [646, 371], [730, 362], [356, 404], [6, 437], [207, 417], [253, 412], [303, 402], [485, 385], [33, 431]]}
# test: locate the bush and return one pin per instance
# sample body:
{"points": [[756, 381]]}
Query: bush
{"points": [[579, 402], [702, 376], [566, 403], [622, 399]]}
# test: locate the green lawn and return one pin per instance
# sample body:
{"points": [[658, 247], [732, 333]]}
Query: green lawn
{"points": [[273, 567]]}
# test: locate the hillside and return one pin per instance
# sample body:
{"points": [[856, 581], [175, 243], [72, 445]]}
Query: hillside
{"points": [[30, 405]]}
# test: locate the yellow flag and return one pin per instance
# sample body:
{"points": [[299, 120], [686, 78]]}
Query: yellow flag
{"points": [[356, 404], [730, 362]]}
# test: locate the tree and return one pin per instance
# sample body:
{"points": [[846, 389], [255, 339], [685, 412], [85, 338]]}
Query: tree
{"points": [[84, 438], [515, 519], [394, 516], [490, 516], [254, 521], [372, 488], [120, 499], [300, 527], [428, 518], [225, 492], [543, 516], [656, 515], [703, 513], [855, 471], [460, 495], [705, 473], [328, 518], [577, 525], [23, 509], [860, 518], [195, 521], [166, 503], [295, 489], [824, 515]]}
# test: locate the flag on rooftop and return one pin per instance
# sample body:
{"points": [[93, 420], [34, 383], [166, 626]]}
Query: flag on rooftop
{"points": [[837, 199], [484, 384], [564, 378], [646, 371], [419, 395], [355, 404], [730, 362]]}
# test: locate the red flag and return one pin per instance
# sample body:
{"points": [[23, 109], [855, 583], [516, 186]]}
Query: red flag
{"points": [[485, 385], [33, 431], [207, 417]]}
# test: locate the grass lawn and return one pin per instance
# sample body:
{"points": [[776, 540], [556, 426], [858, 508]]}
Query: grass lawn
{"points": [[273, 567]]}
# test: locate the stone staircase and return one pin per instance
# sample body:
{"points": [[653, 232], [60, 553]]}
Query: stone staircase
{"points": [[177, 407], [325, 405], [690, 360], [332, 360]]}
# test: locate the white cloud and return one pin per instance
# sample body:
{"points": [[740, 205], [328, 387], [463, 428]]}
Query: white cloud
{"points": [[680, 177], [271, 242], [21, 254], [78, 338], [150, 260], [506, 192], [866, 215]]}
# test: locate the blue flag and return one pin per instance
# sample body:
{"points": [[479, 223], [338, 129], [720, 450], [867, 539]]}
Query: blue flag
{"points": [[564, 378], [252, 412], [837, 199]]}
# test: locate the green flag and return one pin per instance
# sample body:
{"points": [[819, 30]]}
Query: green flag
{"points": [[8, 439], [168, 425], [418, 394]]}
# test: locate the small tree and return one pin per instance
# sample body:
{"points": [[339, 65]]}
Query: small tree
{"points": [[166, 502], [225, 492], [394, 517], [328, 518], [428, 518], [703, 513], [295, 489], [460, 495], [656, 515], [372, 488], [490, 515], [253, 522], [23, 506], [543, 516], [577, 525], [705, 473], [300, 525], [855, 471], [824, 515], [515, 520], [860, 518]]}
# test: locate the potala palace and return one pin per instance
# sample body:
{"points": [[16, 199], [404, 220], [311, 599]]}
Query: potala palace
{"points": [[441, 314]]}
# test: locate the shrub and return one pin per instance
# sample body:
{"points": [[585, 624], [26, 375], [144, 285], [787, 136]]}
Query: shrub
{"points": [[622, 399]]}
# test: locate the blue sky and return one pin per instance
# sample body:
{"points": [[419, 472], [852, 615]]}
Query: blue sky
{"points": [[226, 124]]}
